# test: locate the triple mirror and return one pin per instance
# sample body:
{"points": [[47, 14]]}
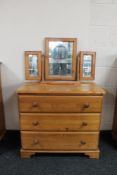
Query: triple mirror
{"points": [[60, 62]]}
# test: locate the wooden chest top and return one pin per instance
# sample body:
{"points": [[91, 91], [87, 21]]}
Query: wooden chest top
{"points": [[61, 88]]}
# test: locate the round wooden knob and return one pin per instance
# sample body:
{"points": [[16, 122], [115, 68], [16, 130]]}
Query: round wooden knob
{"points": [[35, 142], [86, 105], [35, 123], [84, 124], [34, 104], [82, 142]]}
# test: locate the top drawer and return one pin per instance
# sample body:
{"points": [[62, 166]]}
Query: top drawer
{"points": [[31, 103]]}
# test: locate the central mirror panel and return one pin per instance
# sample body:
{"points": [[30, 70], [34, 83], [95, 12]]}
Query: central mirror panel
{"points": [[60, 59]]}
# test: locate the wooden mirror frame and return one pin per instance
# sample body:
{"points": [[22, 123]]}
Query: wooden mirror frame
{"points": [[39, 65], [60, 77], [80, 65]]}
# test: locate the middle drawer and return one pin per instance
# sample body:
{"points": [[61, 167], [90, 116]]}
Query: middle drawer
{"points": [[60, 122]]}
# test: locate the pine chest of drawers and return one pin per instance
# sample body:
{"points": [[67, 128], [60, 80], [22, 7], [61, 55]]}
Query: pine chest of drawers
{"points": [[60, 117]]}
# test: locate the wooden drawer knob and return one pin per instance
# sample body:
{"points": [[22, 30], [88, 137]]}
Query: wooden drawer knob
{"points": [[35, 141], [35, 123], [86, 105], [82, 142], [84, 124], [35, 104]]}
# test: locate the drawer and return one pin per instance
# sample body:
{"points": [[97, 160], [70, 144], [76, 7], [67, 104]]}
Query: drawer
{"points": [[59, 140], [60, 122], [31, 103]]}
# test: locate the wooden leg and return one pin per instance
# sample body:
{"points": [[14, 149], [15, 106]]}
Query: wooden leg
{"points": [[26, 154], [93, 154]]}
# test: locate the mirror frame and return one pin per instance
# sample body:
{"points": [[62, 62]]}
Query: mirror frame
{"points": [[60, 77], [39, 65], [81, 58]]}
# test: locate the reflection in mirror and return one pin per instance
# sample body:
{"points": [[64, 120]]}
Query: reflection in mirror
{"points": [[87, 65], [60, 58], [87, 61], [33, 65]]}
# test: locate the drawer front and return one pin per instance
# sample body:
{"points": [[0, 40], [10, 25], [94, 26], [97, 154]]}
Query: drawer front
{"points": [[60, 122], [60, 103], [59, 140]]}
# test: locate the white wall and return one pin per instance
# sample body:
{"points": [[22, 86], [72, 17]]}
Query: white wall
{"points": [[103, 39], [23, 26]]}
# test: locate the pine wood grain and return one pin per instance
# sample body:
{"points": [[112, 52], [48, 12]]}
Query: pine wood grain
{"points": [[94, 154], [31, 103], [61, 88], [60, 122], [59, 140], [60, 117]]}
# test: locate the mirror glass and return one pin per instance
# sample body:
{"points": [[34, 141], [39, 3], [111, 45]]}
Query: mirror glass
{"points": [[60, 58], [33, 65], [87, 65]]}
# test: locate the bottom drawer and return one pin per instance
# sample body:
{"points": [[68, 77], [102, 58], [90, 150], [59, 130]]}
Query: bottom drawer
{"points": [[59, 141]]}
